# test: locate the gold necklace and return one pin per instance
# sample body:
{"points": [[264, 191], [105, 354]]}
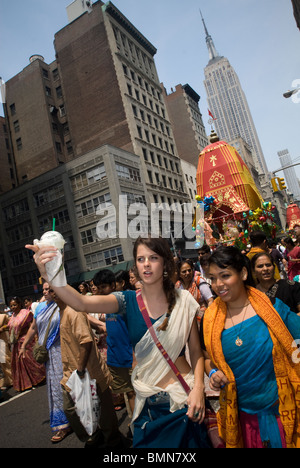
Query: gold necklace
{"points": [[238, 340]]}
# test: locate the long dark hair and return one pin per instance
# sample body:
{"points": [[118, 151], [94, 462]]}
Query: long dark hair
{"points": [[123, 275], [230, 256], [161, 247]]}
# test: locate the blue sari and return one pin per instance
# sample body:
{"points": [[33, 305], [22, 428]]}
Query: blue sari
{"points": [[54, 370], [252, 366]]}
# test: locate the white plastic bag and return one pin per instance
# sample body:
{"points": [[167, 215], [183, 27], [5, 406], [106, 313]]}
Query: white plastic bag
{"points": [[2, 352], [87, 404]]}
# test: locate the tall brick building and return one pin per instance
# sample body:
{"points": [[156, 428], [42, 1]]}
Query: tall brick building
{"points": [[187, 124], [103, 88], [85, 129]]}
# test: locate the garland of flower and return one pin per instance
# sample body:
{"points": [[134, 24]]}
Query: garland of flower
{"points": [[261, 219]]}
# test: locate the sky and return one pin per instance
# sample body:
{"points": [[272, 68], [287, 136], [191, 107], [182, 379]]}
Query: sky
{"points": [[260, 39]]}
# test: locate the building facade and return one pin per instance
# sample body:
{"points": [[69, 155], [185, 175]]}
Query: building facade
{"points": [[8, 177], [103, 88], [228, 104], [83, 196], [289, 174], [186, 120]]}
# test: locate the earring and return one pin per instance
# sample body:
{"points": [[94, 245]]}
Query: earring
{"points": [[166, 274]]}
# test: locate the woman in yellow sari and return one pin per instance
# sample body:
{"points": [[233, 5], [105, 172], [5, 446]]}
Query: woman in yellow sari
{"points": [[252, 358]]}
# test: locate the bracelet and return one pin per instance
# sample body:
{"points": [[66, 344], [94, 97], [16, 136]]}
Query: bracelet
{"points": [[213, 371]]}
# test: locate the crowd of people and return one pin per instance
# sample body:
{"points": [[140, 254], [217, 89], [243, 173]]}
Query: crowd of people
{"points": [[202, 353]]}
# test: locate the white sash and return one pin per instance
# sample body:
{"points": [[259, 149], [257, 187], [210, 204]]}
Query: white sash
{"points": [[151, 365]]}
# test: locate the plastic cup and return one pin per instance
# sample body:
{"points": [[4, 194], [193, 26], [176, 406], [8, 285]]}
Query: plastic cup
{"points": [[55, 268]]}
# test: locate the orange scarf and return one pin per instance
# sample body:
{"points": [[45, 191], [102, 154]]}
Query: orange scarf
{"points": [[287, 372]]}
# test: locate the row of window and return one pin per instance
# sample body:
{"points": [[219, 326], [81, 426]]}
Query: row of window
{"points": [[138, 96], [107, 257], [58, 91], [150, 156], [153, 139], [142, 83], [130, 173], [134, 53], [58, 146], [55, 74], [152, 121], [163, 181], [89, 177], [56, 192], [90, 206], [41, 198], [48, 195]]}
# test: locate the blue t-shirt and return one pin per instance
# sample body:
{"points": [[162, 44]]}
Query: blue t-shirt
{"points": [[119, 349]]}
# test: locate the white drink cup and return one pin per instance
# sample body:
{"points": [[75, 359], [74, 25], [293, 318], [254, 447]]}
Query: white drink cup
{"points": [[55, 268]]}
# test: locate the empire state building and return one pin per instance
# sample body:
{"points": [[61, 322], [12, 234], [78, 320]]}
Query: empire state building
{"points": [[228, 104]]}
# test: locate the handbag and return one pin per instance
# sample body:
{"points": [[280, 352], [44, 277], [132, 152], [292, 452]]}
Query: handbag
{"points": [[40, 352]]}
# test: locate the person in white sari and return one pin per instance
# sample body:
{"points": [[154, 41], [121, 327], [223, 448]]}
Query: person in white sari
{"points": [[165, 416]]}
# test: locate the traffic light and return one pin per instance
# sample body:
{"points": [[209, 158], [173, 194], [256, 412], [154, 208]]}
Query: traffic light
{"points": [[281, 183], [274, 185], [278, 183]]}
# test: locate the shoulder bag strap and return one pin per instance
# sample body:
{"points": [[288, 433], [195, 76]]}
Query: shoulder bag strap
{"points": [[146, 317]]}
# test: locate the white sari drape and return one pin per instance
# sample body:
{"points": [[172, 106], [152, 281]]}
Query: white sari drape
{"points": [[152, 366]]}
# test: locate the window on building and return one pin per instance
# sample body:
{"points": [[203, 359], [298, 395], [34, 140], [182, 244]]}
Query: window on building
{"points": [[112, 256], [90, 206], [145, 154], [58, 92], [94, 261], [46, 222], [126, 172], [19, 144], [49, 195], [16, 126], [69, 147], [12, 109], [96, 174], [45, 73], [62, 110], [55, 74], [89, 236], [58, 147]]}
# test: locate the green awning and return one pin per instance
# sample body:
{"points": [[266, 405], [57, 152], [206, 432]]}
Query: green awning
{"points": [[89, 275]]}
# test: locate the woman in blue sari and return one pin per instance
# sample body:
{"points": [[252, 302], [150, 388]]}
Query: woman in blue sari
{"points": [[44, 312], [252, 357]]}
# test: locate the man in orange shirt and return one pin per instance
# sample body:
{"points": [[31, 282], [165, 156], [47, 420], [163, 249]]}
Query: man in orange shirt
{"points": [[79, 352]]}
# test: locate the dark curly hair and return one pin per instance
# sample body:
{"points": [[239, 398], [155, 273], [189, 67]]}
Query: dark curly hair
{"points": [[230, 256], [161, 247]]}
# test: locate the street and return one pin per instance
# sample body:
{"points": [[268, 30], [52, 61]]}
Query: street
{"points": [[24, 421]]}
